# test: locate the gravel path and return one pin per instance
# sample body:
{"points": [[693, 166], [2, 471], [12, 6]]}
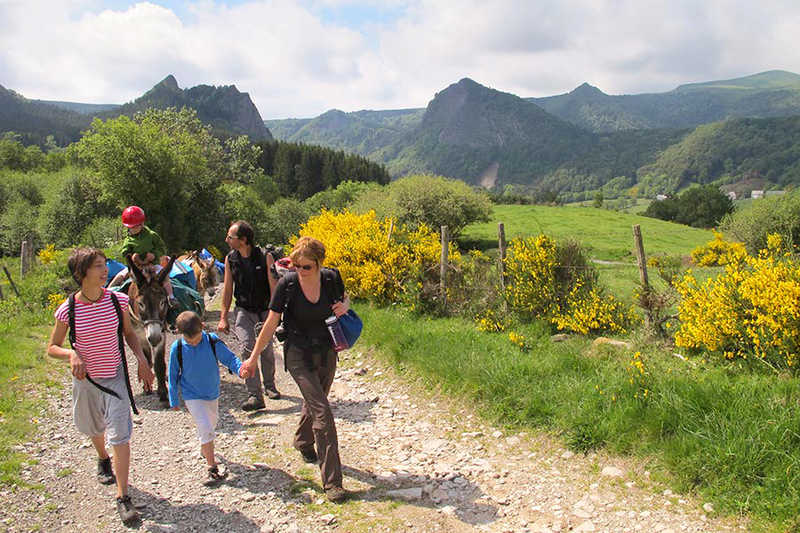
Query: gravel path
{"points": [[414, 460]]}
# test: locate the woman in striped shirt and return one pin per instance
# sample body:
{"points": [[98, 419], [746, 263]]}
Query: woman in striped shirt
{"points": [[96, 354]]}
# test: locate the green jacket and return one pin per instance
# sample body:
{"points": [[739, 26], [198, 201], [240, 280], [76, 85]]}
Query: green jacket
{"points": [[143, 242]]}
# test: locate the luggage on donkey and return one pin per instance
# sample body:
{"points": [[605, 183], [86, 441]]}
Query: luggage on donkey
{"points": [[188, 300]]}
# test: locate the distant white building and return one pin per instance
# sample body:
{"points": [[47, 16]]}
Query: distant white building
{"points": [[732, 195], [757, 194], [660, 197], [774, 193]]}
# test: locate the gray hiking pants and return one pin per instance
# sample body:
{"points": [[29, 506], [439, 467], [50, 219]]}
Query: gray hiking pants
{"points": [[244, 324]]}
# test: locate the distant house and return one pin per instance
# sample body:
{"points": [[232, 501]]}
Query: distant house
{"points": [[661, 197], [774, 193], [756, 194], [732, 195]]}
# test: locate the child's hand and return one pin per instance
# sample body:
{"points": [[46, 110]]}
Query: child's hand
{"points": [[245, 372]]}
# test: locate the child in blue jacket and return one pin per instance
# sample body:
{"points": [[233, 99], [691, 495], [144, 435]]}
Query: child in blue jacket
{"points": [[193, 368]]}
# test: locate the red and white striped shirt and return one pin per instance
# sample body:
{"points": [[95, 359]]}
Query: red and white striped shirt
{"points": [[96, 333]]}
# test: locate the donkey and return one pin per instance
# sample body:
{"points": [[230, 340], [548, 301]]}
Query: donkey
{"points": [[149, 307], [205, 272]]}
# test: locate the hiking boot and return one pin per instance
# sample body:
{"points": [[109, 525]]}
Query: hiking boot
{"points": [[127, 512], [215, 476], [272, 393], [105, 474], [336, 494], [309, 456], [253, 403]]}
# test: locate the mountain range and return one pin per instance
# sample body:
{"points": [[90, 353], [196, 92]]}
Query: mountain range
{"points": [[576, 142], [228, 111]]}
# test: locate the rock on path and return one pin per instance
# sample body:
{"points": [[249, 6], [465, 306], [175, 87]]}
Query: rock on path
{"points": [[415, 461]]}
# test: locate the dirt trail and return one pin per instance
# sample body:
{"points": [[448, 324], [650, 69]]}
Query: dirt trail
{"points": [[414, 460]]}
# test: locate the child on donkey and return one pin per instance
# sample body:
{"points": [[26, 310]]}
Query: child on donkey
{"points": [[145, 247], [101, 393], [194, 370]]}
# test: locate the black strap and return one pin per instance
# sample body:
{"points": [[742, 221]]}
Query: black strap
{"points": [[211, 341], [121, 343]]}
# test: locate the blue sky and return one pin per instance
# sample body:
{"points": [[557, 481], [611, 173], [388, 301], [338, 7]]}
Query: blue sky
{"points": [[301, 58]]}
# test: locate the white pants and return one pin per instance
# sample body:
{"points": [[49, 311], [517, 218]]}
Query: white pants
{"points": [[205, 414]]}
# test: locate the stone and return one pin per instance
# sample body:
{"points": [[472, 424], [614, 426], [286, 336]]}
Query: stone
{"points": [[411, 494], [707, 507], [605, 341], [585, 526], [612, 471]]}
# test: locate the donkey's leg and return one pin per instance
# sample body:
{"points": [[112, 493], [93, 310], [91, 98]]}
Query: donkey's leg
{"points": [[160, 369]]}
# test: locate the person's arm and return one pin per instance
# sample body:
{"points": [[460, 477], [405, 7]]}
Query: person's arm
{"points": [[227, 296], [55, 350], [145, 374], [271, 324], [341, 307], [271, 280], [227, 357], [174, 382]]}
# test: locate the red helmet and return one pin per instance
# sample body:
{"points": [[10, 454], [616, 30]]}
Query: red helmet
{"points": [[132, 216]]}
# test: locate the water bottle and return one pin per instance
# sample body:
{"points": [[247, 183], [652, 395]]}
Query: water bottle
{"points": [[337, 335]]}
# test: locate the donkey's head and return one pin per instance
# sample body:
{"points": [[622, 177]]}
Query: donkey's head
{"points": [[150, 301], [208, 278]]}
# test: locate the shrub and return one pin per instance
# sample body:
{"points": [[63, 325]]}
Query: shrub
{"points": [[718, 252], [775, 214], [376, 264], [753, 308]]}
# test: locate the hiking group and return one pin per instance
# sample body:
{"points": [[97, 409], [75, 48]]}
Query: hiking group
{"points": [[305, 301]]}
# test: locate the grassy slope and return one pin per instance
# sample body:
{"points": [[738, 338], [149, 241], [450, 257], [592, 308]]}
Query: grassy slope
{"points": [[730, 435], [607, 234]]}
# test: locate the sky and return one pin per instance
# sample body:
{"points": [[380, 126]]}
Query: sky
{"points": [[301, 58]]}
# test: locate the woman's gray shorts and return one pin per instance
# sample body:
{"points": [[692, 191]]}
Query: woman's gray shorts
{"points": [[96, 412]]}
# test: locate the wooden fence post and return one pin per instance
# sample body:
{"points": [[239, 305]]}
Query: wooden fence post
{"points": [[11, 281], [1, 294], [642, 264], [24, 258], [501, 244], [443, 267]]}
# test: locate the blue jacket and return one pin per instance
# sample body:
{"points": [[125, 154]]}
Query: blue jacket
{"points": [[200, 377]]}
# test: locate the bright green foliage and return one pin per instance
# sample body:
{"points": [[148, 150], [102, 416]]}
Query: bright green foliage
{"points": [[752, 223], [168, 163], [431, 200]]}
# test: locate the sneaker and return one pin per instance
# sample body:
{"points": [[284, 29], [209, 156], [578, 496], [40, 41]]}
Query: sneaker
{"points": [[309, 456], [127, 512], [272, 393], [253, 403], [336, 494], [215, 476], [105, 474]]}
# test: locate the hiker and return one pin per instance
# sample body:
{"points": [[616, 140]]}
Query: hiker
{"points": [[248, 278], [101, 394], [194, 371], [145, 247], [306, 299]]}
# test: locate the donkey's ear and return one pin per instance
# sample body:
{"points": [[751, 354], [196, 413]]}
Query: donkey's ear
{"points": [[138, 276], [166, 270]]}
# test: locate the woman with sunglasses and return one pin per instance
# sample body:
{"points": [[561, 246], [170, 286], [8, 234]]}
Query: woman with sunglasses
{"points": [[305, 299]]}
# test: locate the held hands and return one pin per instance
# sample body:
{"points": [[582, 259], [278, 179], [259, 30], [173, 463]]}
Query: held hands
{"points": [[76, 365], [341, 308], [248, 369]]}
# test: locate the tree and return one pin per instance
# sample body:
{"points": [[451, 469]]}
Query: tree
{"points": [[598, 199], [700, 207], [165, 161]]}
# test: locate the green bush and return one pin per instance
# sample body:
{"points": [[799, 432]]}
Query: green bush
{"points": [[699, 207], [776, 214]]}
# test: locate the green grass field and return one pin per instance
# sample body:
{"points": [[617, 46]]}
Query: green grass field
{"points": [[607, 234]]}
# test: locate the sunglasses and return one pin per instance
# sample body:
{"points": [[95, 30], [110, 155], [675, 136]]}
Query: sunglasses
{"points": [[304, 267]]}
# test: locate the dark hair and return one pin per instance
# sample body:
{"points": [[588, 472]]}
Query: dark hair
{"points": [[81, 260], [189, 323], [243, 229]]}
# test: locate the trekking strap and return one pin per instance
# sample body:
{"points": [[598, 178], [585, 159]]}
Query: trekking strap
{"points": [[72, 339], [213, 343]]}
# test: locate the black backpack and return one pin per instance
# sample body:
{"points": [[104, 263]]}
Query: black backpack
{"points": [[120, 341]]}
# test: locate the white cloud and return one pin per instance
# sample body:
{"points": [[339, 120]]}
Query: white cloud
{"points": [[293, 63]]}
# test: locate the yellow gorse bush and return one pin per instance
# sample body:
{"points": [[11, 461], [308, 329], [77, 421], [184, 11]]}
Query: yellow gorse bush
{"points": [[47, 254], [752, 308], [374, 263], [719, 252], [533, 287]]}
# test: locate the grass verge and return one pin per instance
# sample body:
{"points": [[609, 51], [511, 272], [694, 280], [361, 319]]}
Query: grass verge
{"points": [[730, 433]]}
